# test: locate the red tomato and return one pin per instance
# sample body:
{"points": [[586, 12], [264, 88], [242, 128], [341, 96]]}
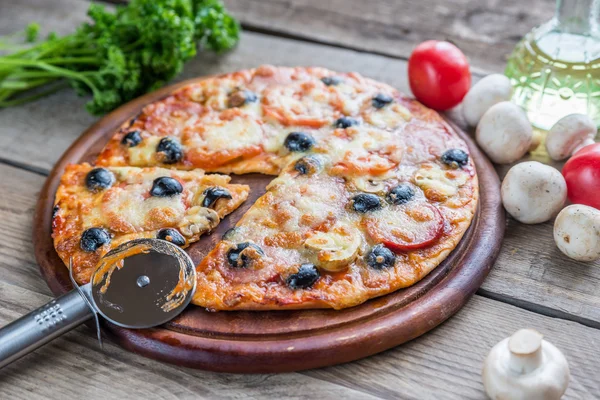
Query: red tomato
{"points": [[439, 75], [406, 227], [582, 174]]}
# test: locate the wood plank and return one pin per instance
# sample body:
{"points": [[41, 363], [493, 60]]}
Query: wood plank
{"points": [[449, 358], [37, 142], [440, 359], [447, 361], [486, 30]]}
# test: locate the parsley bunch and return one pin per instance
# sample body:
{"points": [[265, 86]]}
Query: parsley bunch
{"points": [[118, 55]]}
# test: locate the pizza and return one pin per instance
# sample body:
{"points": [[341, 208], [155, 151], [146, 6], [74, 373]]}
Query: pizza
{"points": [[371, 192], [98, 208]]}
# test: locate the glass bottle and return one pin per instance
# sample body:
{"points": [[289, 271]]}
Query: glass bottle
{"points": [[555, 68]]}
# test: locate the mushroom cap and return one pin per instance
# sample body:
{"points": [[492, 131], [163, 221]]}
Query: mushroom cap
{"points": [[544, 376], [577, 232], [484, 94], [569, 134], [504, 133], [533, 192]]}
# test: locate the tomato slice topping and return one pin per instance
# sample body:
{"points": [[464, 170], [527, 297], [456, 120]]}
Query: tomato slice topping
{"points": [[406, 227]]}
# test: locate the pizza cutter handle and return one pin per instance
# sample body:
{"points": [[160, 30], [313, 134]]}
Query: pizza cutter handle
{"points": [[42, 325]]}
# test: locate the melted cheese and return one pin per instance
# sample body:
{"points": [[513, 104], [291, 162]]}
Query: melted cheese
{"points": [[240, 132], [441, 182], [144, 153], [388, 117]]}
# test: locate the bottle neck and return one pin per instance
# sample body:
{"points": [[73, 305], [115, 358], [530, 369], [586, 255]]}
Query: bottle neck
{"points": [[580, 17]]}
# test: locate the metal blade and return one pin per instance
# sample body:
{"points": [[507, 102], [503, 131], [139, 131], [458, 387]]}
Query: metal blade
{"points": [[143, 283]]}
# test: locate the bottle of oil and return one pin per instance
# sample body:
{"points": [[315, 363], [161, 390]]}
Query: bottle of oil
{"points": [[555, 69]]}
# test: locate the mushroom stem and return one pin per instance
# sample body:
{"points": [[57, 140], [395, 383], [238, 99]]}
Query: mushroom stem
{"points": [[582, 145], [525, 347]]}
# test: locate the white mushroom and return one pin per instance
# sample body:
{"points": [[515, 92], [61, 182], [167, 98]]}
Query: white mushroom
{"points": [[525, 367], [570, 134], [504, 133], [577, 232], [533, 192], [490, 90]]}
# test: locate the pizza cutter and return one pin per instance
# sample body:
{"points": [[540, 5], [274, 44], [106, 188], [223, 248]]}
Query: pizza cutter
{"points": [[139, 284]]}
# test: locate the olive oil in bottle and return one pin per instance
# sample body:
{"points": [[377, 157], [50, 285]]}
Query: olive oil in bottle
{"points": [[555, 69]]}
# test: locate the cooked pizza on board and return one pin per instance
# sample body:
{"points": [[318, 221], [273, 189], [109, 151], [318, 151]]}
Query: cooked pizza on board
{"points": [[372, 189], [97, 209]]}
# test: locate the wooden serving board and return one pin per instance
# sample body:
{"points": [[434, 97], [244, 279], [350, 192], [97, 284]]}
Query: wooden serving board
{"points": [[277, 341]]}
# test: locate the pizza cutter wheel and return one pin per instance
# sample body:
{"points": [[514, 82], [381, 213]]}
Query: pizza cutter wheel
{"points": [[139, 284]]}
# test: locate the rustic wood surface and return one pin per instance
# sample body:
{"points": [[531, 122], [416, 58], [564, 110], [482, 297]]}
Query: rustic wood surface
{"points": [[531, 285]]}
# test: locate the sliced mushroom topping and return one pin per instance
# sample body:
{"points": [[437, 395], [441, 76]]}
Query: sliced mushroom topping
{"points": [[439, 184], [212, 194], [335, 249], [455, 158], [365, 202], [345, 122], [198, 220], [241, 97], [99, 179], [401, 194], [308, 165], [331, 80], [306, 276], [381, 100], [94, 238], [171, 235], [299, 142], [380, 257], [165, 186], [170, 149], [132, 139], [244, 254]]}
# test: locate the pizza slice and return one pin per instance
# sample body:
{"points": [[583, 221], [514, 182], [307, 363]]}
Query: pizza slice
{"points": [[96, 209], [321, 239]]}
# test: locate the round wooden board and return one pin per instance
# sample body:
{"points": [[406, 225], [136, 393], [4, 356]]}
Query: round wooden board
{"points": [[277, 341]]}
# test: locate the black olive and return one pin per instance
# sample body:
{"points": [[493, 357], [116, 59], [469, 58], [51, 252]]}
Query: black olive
{"points": [[308, 165], [132, 139], [345, 122], [455, 158], [238, 258], [381, 100], [94, 238], [331, 80], [55, 211], [365, 202], [299, 141], [400, 194], [380, 257], [171, 149], [212, 194], [306, 276], [99, 179], [241, 97], [171, 235], [165, 186], [134, 119]]}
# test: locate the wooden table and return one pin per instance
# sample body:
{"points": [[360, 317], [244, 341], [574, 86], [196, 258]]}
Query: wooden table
{"points": [[531, 285]]}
